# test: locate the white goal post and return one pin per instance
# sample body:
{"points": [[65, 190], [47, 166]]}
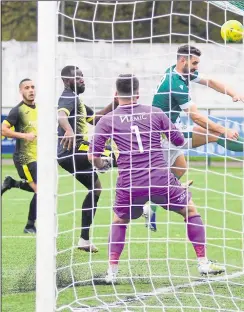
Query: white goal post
{"points": [[80, 277], [47, 163]]}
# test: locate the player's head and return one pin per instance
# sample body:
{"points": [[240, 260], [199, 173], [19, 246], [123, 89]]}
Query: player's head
{"points": [[127, 88], [188, 58], [27, 90], [72, 78]]}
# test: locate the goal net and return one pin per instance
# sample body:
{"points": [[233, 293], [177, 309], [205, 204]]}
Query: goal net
{"points": [[158, 270]]}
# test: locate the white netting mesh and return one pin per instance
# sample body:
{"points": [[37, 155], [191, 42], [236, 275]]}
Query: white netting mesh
{"points": [[157, 270], [232, 6]]}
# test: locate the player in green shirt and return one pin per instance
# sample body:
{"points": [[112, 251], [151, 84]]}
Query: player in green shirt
{"points": [[173, 97]]}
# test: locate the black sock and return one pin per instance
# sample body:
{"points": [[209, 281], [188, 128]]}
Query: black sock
{"points": [[30, 224], [23, 185], [32, 212], [88, 212]]}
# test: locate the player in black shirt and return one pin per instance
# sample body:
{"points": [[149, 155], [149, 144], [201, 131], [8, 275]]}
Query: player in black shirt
{"points": [[73, 145], [23, 117]]}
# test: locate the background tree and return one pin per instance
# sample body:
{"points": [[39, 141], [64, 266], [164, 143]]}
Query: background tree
{"points": [[19, 21]]}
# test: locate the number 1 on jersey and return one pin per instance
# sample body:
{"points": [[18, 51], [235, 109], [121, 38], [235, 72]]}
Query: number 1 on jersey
{"points": [[135, 129]]}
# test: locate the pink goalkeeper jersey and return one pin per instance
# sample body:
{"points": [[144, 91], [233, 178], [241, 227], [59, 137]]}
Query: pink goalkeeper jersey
{"points": [[136, 129]]}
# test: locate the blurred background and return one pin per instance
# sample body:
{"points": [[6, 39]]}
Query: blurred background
{"points": [[107, 38]]}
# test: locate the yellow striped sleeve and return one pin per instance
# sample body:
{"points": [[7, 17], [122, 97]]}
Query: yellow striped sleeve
{"points": [[6, 123], [67, 112], [89, 119]]}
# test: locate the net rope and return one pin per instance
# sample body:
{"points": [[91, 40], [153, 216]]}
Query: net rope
{"points": [[158, 271], [232, 6]]}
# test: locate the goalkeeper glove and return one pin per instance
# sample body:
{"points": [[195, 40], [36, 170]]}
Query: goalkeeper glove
{"points": [[107, 163]]}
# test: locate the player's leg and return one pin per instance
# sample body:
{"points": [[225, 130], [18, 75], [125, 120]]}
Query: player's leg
{"points": [[201, 136], [116, 243], [179, 201], [123, 213], [92, 183], [178, 166], [29, 173], [197, 236], [10, 182], [30, 226], [81, 168]]}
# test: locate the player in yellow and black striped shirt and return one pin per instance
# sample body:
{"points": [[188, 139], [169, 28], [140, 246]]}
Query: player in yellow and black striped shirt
{"points": [[74, 116], [23, 117]]}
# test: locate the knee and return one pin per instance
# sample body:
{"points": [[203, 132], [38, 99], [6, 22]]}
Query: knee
{"points": [[97, 192], [97, 188], [178, 172], [192, 210], [33, 185], [189, 211], [181, 172]]}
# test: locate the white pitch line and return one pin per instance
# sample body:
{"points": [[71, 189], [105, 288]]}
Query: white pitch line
{"points": [[165, 290], [160, 291], [27, 236]]}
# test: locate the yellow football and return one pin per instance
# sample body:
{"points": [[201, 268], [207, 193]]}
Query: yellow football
{"points": [[232, 31]]}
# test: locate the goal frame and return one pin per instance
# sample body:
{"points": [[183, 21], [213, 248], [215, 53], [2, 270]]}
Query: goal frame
{"points": [[47, 165], [46, 289]]}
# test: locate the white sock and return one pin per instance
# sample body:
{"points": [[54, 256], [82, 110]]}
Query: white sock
{"points": [[202, 260], [114, 268]]}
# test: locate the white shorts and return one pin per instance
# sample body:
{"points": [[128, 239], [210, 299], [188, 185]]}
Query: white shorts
{"points": [[172, 152]]}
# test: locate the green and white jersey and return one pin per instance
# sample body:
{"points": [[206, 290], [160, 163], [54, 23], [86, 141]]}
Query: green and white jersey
{"points": [[172, 94]]}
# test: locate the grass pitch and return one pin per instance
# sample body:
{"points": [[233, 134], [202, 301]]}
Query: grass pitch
{"points": [[161, 273]]}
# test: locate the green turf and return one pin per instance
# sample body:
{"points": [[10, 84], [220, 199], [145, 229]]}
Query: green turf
{"points": [[157, 260], [7, 156]]}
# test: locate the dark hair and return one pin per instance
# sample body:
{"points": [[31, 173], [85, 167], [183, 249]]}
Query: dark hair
{"points": [[188, 50], [23, 80], [67, 71], [127, 85]]}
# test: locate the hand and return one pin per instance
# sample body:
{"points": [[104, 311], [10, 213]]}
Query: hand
{"points": [[237, 98], [68, 140], [231, 134], [107, 163], [30, 136]]}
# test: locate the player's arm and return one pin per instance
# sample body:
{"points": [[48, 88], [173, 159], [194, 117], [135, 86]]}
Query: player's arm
{"points": [[187, 105], [206, 123], [11, 121], [9, 133], [96, 147], [93, 118], [65, 107], [222, 88]]}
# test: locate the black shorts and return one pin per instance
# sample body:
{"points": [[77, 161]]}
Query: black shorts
{"points": [[78, 164], [27, 172]]}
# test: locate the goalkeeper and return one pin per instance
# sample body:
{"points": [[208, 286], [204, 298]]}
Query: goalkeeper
{"points": [[172, 97], [143, 172], [73, 119]]}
